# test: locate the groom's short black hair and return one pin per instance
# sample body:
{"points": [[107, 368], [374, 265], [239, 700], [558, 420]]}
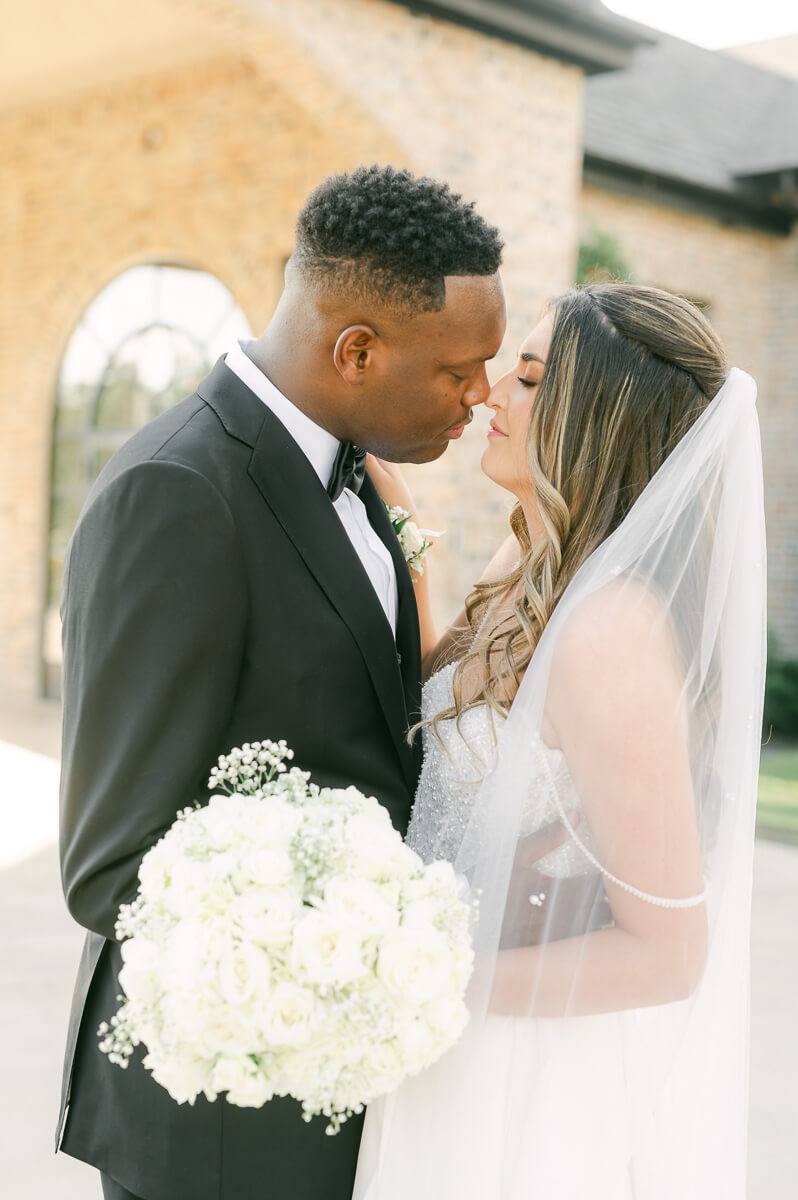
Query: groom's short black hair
{"points": [[385, 236]]}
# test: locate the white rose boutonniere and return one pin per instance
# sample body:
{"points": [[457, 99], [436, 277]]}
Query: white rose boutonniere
{"points": [[415, 542]]}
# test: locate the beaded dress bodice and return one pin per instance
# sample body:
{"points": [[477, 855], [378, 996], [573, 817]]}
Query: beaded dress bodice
{"points": [[454, 766]]}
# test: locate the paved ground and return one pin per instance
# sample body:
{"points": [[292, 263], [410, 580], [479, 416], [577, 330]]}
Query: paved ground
{"points": [[41, 945]]}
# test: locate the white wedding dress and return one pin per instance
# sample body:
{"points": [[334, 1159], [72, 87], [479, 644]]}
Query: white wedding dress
{"points": [[572, 1150]]}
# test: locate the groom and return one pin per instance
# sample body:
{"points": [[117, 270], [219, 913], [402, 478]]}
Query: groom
{"points": [[234, 576]]}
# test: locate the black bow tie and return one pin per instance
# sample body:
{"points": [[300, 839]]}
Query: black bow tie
{"points": [[349, 470]]}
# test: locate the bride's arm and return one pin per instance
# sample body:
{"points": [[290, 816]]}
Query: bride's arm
{"points": [[614, 702], [393, 489]]}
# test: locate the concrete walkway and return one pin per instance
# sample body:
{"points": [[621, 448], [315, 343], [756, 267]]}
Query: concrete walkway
{"points": [[41, 946]]}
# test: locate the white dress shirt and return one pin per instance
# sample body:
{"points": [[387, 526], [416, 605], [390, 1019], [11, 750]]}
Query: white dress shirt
{"points": [[320, 449]]}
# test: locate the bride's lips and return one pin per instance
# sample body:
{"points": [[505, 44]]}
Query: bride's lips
{"points": [[495, 432]]}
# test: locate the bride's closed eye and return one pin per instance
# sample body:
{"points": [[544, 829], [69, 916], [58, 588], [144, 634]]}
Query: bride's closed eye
{"points": [[528, 383]]}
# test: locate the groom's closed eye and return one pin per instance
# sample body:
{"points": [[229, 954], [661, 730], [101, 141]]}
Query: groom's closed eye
{"points": [[465, 371]]}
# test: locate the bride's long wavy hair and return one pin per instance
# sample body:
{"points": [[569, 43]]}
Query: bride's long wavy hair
{"points": [[629, 370]]}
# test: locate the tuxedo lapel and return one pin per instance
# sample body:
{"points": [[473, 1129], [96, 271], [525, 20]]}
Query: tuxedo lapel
{"points": [[294, 493], [408, 641]]}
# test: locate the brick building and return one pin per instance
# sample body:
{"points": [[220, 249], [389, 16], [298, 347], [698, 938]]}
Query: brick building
{"points": [[152, 169]]}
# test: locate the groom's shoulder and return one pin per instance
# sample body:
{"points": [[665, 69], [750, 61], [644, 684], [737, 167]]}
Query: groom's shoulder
{"points": [[188, 435]]}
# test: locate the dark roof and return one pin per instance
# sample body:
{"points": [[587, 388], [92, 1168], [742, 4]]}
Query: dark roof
{"points": [[578, 31], [696, 117]]}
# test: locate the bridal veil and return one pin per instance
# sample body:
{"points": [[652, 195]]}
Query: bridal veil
{"points": [[628, 1032]]}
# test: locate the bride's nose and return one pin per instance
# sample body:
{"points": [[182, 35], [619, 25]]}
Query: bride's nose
{"points": [[496, 398]]}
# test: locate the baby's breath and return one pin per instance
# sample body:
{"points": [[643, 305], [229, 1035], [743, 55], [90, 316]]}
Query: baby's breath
{"points": [[249, 768]]}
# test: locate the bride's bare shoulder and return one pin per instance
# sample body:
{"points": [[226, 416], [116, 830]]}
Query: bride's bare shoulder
{"points": [[619, 635]]}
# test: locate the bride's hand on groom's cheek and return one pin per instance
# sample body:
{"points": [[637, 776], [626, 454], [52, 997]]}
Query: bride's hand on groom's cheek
{"points": [[389, 481]]}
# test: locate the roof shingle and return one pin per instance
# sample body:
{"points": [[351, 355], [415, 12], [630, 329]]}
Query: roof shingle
{"points": [[695, 115]]}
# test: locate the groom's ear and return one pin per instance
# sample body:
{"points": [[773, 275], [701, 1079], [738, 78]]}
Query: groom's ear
{"points": [[354, 353]]}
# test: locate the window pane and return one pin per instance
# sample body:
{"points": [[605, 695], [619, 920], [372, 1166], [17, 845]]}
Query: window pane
{"points": [[97, 454], [116, 402], [68, 462], [64, 511]]}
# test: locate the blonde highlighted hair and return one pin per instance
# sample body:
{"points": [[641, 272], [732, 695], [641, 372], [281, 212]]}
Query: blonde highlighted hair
{"points": [[629, 370]]}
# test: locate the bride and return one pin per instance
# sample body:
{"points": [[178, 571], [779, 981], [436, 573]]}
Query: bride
{"points": [[591, 725]]}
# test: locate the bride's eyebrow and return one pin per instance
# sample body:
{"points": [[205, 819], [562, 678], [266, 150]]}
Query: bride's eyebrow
{"points": [[526, 356]]}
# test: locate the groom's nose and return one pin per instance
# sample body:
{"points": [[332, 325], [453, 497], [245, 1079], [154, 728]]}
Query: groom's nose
{"points": [[478, 389]]}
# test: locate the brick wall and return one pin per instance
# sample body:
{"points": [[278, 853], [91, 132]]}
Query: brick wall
{"points": [[750, 281]]}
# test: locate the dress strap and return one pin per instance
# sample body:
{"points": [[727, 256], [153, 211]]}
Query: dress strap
{"points": [[659, 901]]}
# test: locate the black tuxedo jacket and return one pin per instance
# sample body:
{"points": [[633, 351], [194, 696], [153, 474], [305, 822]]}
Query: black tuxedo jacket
{"points": [[211, 597]]}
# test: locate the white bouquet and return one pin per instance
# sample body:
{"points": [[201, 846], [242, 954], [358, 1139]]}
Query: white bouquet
{"points": [[285, 941]]}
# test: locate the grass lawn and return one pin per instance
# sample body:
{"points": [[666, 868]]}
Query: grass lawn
{"points": [[777, 810]]}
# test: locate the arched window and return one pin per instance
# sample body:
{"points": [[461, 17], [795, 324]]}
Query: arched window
{"points": [[143, 344]]}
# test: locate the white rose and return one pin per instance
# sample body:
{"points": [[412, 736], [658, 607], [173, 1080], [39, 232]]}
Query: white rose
{"points": [[246, 1086], [139, 976], [411, 538], [228, 1031], [188, 885], [379, 849], [271, 822], [359, 904], [416, 888], [216, 939], [350, 797], [382, 1067], [447, 1016], [183, 1015], [390, 890], [326, 951], [289, 1015], [183, 1078], [223, 865], [222, 818], [154, 870], [421, 914], [314, 1068], [268, 866], [244, 973], [233, 805], [416, 1045], [183, 954], [267, 915], [441, 876], [415, 966]]}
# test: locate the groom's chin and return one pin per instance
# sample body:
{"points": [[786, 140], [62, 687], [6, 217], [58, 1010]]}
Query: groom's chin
{"points": [[427, 454]]}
